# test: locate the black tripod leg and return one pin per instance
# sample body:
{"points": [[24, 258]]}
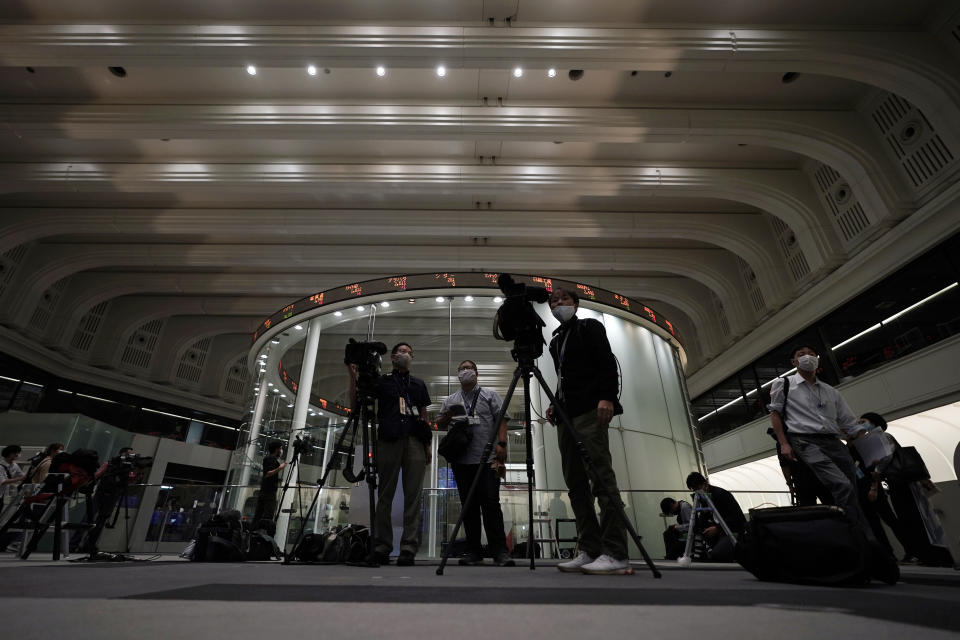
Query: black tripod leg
{"points": [[614, 500], [320, 483], [531, 539], [476, 479], [369, 466]]}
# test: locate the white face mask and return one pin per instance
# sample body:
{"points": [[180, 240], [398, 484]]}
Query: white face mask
{"points": [[808, 363], [402, 360], [563, 312], [467, 376]]}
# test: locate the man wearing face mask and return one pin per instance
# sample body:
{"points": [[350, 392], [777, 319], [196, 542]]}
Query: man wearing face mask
{"points": [[481, 406], [809, 425], [587, 391], [402, 445]]}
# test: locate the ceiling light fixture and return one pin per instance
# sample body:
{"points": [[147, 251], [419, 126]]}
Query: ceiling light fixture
{"points": [[381, 71], [497, 299], [440, 299], [338, 313], [312, 70], [468, 298], [252, 70], [517, 72], [384, 304], [551, 73], [359, 307], [441, 71], [299, 327]]}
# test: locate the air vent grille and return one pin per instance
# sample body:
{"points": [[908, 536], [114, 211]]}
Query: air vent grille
{"points": [[9, 264], [191, 363], [88, 327], [138, 351], [46, 307], [752, 287], [790, 247], [912, 140], [235, 382], [720, 314], [847, 212]]}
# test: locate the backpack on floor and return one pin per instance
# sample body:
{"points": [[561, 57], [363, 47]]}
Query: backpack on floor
{"points": [[262, 546], [347, 545], [310, 548], [222, 538]]}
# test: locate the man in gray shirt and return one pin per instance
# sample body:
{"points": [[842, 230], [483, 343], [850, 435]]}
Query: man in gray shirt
{"points": [[809, 425], [481, 407]]}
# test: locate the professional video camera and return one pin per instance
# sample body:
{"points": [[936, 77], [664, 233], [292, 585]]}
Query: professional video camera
{"points": [[516, 318], [131, 462], [302, 445], [366, 357]]}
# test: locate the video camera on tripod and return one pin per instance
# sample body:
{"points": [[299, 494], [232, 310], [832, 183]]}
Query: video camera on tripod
{"points": [[516, 318], [366, 356]]}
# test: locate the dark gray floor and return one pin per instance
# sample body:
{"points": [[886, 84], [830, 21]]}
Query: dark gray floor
{"points": [[168, 596]]}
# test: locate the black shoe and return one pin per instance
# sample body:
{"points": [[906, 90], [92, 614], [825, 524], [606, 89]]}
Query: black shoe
{"points": [[405, 559], [381, 558], [471, 559], [504, 560]]}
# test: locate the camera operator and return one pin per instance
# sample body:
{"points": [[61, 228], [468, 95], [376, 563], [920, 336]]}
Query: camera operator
{"points": [[403, 443], [267, 500], [481, 406], [587, 391], [42, 468], [113, 477]]}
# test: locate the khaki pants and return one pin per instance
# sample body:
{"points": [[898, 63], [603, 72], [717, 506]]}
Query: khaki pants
{"points": [[608, 535], [407, 454]]}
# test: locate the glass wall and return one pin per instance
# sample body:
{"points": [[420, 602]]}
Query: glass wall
{"points": [[653, 441]]}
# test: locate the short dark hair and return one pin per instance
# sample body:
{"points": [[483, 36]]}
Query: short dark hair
{"points": [[875, 419], [123, 450], [802, 345], [10, 449], [274, 445], [569, 292], [666, 506], [695, 480], [53, 447], [471, 362], [398, 345]]}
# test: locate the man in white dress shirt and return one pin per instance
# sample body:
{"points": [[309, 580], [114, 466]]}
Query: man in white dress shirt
{"points": [[809, 427]]}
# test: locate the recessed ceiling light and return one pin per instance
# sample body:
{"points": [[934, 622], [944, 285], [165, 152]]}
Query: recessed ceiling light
{"points": [[283, 395], [517, 72], [269, 384], [440, 299], [551, 73], [468, 298], [381, 71], [252, 70], [276, 390], [289, 406], [263, 356], [274, 342], [498, 299], [384, 304], [338, 313], [299, 327], [412, 300], [441, 71], [359, 307], [312, 70]]}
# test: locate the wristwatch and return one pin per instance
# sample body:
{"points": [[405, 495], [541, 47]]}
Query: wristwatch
{"points": [[502, 443]]}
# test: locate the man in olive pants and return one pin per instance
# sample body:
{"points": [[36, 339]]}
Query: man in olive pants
{"points": [[587, 391]]}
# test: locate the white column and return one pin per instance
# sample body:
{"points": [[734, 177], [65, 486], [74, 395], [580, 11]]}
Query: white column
{"points": [[327, 455], [434, 484], [251, 450], [300, 409]]}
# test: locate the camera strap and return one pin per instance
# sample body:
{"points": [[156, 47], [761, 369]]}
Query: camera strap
{"points": [[473, 403]]}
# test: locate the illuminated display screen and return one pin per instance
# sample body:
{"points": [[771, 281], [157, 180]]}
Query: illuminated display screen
{"points": [[293, 384], [471, 280]]}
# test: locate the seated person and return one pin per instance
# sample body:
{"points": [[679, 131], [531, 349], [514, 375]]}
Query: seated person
{"points": [[720, 547], [675, 537]]}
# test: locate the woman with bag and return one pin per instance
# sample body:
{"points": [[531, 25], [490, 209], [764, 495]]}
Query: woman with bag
{"points": [[470, 414]]}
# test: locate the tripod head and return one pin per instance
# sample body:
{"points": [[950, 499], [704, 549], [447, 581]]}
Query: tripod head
{"points": [[517, 320]]}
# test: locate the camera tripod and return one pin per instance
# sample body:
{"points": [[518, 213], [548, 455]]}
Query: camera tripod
{"points": [[702, 502], [286, 485], [362, 417], [524, 355]]}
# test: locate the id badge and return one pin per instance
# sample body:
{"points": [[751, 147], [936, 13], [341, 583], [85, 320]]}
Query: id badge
{"points": [[474, 421], [403, 406]]}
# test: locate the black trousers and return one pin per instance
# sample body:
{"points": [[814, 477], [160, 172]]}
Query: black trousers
{"points": [[486, 500], [266, 507]]}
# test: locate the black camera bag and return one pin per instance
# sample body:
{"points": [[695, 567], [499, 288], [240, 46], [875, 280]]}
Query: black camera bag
{"points": [[310, 548], [456, 442], [811, 545], [262, 546], [222, 538]]}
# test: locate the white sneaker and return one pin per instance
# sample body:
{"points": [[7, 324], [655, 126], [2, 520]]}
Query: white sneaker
{"points": [[575, 565], [606, 565]]}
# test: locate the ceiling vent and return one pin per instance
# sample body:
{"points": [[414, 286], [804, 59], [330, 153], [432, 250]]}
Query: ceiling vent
{"points": [[138, 351], [720, 314], [190, 367], [790, 248], [9, 264], [912, 140], [845, 210], [235, 382], [46, 307], [752, 286], [88, 327]]}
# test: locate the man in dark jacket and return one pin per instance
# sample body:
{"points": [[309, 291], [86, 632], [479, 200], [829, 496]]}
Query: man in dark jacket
{"points": [[587, 391], [720, 546]]}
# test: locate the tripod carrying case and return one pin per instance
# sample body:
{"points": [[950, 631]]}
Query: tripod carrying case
{"points": [[811, 545]]}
